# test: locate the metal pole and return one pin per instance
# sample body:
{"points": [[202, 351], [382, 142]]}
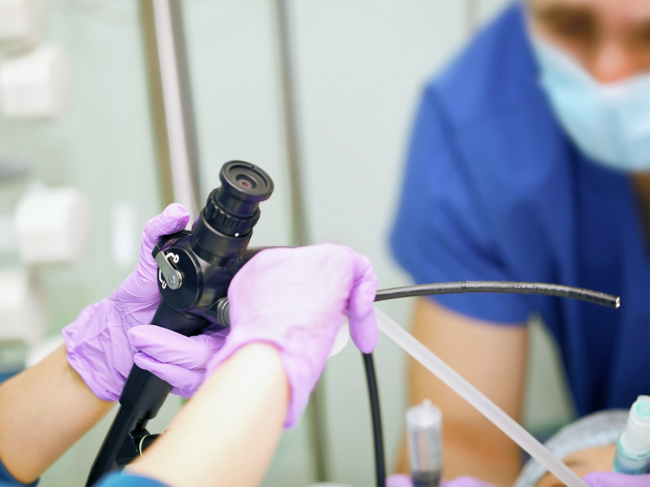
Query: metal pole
{"points": [[471, 19], [300, 234], [171, 102], [291, 113]]}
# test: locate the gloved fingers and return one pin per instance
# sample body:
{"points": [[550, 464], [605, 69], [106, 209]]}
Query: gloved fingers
{"points": [[186, 393], [363, 322], [610, 479], [185, 380], [142, 284], [173, 219], [169, 347], [220, 333], [399, 480]]}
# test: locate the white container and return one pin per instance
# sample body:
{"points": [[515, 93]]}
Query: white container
{"points": [[633, 446], [22, 316], [22, 22], [36, 85], [424, 440], [53, 226]]}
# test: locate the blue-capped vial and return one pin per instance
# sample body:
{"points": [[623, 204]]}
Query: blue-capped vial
{"points": [[424, 425], [633, 446]]}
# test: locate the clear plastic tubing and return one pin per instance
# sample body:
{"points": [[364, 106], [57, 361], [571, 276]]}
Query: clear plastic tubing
{"points": [[424, 436], [472, 395], [633, 446]]}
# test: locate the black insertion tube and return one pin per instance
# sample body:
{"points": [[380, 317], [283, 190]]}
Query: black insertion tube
{"points": [[377, 430], [594, 297]]}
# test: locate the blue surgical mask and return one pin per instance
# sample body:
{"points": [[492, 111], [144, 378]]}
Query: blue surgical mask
{"points": [[609, 123]]}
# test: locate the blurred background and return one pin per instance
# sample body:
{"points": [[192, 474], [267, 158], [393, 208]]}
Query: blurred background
{"points": [[319, 93]]}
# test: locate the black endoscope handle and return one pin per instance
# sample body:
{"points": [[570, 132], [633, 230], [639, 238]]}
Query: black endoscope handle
{"points": [[135, 411], [142, 397]]}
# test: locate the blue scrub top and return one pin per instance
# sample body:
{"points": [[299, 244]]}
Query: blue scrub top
{"points": [[119, 479], [128, 480], [113, 480], [494, 190], [8, 480]]}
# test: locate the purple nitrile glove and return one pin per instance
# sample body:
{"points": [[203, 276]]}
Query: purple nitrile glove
{"points": [[610, 479], [177, 359], [97, 343], [297, 299], [401, 480]]}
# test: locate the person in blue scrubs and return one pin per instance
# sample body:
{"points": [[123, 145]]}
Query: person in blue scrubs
{"points": [[530, 161]]}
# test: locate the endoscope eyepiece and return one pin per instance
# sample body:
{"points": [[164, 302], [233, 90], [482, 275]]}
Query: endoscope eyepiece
{"points": [[246, 182], [224, 227], [251, 181], [243, 187]]}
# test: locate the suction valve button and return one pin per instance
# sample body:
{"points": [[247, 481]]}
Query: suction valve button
{"points": [[167, 275]]}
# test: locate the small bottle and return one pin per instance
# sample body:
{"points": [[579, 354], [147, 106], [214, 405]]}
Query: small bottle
{"points": [[424, 424], [633, 446]]}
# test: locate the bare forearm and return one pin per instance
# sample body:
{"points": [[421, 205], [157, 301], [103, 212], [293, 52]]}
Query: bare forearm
{"points": [[490, 356], [227, 434], [466, 452], [43, 411]]}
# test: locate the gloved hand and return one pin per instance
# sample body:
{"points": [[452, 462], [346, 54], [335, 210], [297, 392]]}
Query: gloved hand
{"points": [[175, 358], [401, 480], [610, 479], [296, 299], [97, 343]]}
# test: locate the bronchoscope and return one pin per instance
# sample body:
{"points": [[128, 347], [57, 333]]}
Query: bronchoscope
{"points": [[194, 271]]}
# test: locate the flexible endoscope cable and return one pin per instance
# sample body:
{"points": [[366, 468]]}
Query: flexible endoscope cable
{"points": [[587, 295], [377, 430], [594, 297]]}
